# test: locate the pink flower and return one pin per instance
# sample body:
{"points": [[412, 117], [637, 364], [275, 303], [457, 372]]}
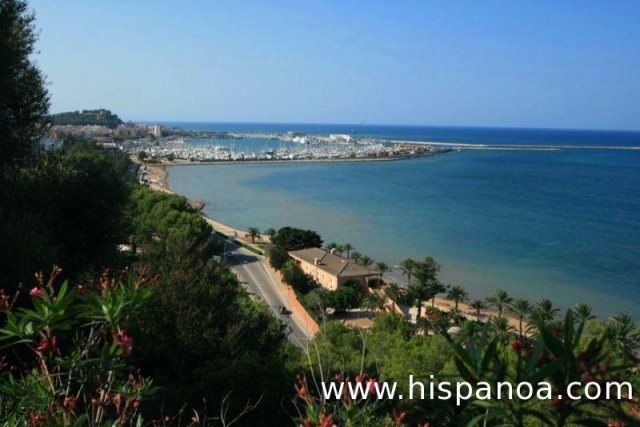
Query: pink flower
{"points": [[36, 293], [125, 342]]}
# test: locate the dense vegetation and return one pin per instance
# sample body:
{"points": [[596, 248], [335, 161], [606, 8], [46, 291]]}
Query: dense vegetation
{"points": [[99, 117]]}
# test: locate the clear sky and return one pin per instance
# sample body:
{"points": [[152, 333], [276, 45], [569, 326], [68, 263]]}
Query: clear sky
{"points": [[543, 63]]}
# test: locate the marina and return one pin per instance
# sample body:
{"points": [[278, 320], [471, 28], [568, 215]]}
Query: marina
{"points": [[249, 149]]}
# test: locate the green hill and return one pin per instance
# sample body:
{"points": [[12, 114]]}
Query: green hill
{"points": [[100, 117]]}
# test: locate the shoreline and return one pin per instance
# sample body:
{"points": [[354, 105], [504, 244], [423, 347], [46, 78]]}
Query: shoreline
{"points": [[159, 181], [159, 178]]}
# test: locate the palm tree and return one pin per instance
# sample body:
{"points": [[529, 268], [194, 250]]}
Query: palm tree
{"points": [[331, 245], [365, 261], [381, 268], [373, 302], [456, 316], [408, 267], [623, 332], [253, 234], [436, 287], [521, 308], [271, 232], [477, 305], [582, 312], [469, 332], [501, 329], [543, 313], [348, 248], [500, 299], [340, 249], [355, 256], [457, 294], [424, 324], [418, 294], [394, 293]]}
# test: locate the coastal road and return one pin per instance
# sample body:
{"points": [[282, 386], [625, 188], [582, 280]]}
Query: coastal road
{"points": [[252, 273]]}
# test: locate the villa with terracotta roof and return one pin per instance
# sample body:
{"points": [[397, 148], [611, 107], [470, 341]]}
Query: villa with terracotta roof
{"points": [[330, 270]]}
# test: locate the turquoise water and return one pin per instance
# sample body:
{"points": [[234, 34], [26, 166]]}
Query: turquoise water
{"points": [[562, 225]]}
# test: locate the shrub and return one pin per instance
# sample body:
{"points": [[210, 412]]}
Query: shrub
{"points": [[74, 351]]}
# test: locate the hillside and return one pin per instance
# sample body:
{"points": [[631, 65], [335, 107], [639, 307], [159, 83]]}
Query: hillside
{"points": [[100, 117]]}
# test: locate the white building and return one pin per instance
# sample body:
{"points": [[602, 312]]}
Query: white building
{"points": [[156, 130]]}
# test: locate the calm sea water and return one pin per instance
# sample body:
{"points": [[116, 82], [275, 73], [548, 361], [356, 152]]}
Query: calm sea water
{"points": [[563, 225]]}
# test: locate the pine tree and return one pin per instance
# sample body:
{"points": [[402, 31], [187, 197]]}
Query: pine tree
{"points": [[24, 100]]}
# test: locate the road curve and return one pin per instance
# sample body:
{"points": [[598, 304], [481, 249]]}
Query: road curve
{"points": [[253, 275]]}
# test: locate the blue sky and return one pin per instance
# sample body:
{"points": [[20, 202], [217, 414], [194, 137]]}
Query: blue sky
{"points": [[567, 64]]}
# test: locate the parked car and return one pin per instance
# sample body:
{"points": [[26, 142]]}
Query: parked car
{"points": [[283, 310]]}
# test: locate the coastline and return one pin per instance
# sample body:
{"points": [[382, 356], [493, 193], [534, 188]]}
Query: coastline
{"points": [[159, 181]]}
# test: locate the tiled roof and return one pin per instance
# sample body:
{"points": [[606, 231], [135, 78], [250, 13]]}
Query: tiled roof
{"points": [[331, 263]]}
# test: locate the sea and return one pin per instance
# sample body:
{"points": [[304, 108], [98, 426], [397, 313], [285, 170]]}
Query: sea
{"points": [[562, 225]]}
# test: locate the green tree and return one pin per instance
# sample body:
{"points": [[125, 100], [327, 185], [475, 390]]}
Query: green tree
{"points": [[501, 329], [293, 239], [67, 210], [408, 267], [331, 245], [373, 302], [293, 275], [271, 232], [318, 300], [457, 294], [543, 313], [394, 292], [418, 293], [348, 248], [253, 233], [24, 100], [355, 256], [623, 332], [521, 308], [381, 268], [477, 305], [582, 312], [436, 288], [500, 299], [345, 298], [277, 256], [365, 261]]}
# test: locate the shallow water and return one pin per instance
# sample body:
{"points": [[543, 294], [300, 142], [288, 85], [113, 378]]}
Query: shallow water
{"points": [[562, 225]]}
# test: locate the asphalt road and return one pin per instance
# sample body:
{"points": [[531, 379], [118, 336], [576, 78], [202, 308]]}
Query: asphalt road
{"points": [[252, 273]]}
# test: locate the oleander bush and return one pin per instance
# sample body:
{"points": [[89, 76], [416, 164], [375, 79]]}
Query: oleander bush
{"points": [[69, 352]]}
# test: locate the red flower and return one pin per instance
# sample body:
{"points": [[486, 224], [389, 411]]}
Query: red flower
{"points": [[399, 417], [136, 404], [326, 421], [44, 346], [517, 346], [36, 293], [370, 384]]}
